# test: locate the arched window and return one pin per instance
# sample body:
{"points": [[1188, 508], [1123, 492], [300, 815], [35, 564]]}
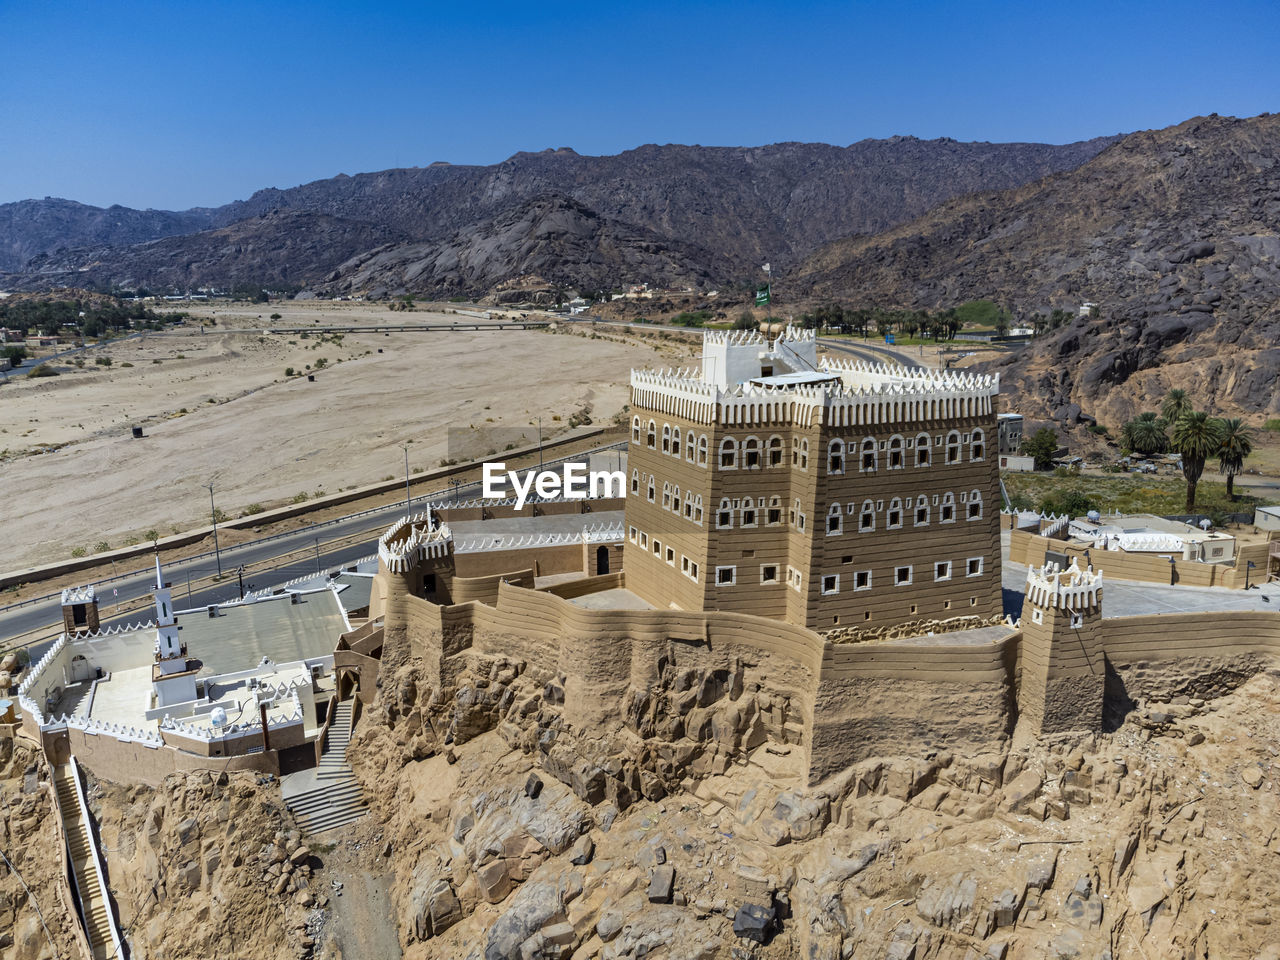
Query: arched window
{"points": [[689, 447], [651, 436], [977, 445], [666, 496], [635, 429], [896, 458], [675, 501], [635, 482], [724, 516], [666, 438], [922, 511], [894, 519], [947, 511], [688, 506], [697, 509], [867, 518], [650, 491], [797, 515], [953, 447], [868, 455], [728, 454], [973, 509], [834, 520], [775, 451], [835, 456], [748, 512], [922, 450], [702, 450], [804, 454], [751, 453], [675, 442], [774, 516]]}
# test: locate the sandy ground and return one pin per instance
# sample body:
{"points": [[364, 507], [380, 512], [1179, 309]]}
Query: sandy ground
{"points": [[218, 408]]}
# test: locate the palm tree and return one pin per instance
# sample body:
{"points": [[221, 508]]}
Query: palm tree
{"points": [[1197, 436], [1176, 406], [1237, 443], [1145, 434]]}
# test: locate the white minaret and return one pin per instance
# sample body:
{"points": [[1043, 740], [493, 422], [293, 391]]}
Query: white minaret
{"points": [[168, 647]]}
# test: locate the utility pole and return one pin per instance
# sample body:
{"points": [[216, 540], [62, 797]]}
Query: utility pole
{"points": [[539, 443], [190, 602], [408, 497], [213, 514], [240, 576], [317, 556]]}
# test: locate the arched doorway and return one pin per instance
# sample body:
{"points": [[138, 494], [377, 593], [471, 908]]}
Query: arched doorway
{"points": [[602, 560]]}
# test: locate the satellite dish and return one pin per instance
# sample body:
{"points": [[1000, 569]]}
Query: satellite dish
{"points": [[218, 717], [1205, 524]]}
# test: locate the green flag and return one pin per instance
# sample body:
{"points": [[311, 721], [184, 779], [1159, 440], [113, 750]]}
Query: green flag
{"points": [[764, 295]]}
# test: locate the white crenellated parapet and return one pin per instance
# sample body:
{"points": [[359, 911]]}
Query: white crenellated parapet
{"points": [[399, 552], [1070, 589], [860, 394], [1055, 524], [676, 393], [602, 533], [120, 731], [735, 338], [85, 594]]}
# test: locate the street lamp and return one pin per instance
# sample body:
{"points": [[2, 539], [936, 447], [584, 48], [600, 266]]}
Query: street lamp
{"points": [[317, 556], [213, 514], [408, 497], [539, 443], [1247, 567], [240, 576]]}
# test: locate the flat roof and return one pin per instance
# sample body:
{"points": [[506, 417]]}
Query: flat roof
{"points": [[355, 591], [242, 634]]}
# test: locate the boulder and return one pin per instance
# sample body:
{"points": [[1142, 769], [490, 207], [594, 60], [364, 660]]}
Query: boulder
{"points": [[754, 922], [661, 883]]}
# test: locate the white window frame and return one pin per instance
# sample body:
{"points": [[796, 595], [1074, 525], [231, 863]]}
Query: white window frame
{"points": [[946, 575], [856, 575], [835, 449], [730, 446], [897, 571], [733, 576], [835, 586], [969, 572], [894, 504], [764, 580]]}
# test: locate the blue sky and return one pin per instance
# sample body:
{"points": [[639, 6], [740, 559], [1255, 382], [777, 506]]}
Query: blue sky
{"points": [[175, 104]]}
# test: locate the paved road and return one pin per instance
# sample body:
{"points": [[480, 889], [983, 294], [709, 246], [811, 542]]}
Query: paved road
{"points": [[27, 365], [865, 351], [361, 529]]}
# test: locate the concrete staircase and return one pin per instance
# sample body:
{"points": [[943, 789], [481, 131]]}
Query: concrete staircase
{"points": [[97, 912], [329, 795]]}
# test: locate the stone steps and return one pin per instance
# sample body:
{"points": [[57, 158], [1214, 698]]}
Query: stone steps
{"points": [[97, 913], [337, 799]]}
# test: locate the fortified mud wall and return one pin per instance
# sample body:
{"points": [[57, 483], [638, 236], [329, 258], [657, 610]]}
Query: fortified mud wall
{"points": [[848, 701]]}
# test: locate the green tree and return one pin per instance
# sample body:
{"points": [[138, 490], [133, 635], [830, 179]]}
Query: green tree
{"points": [[1002, 324], [1237, 444], [1176, 405], [1197, 437], [746, 321], [1145, 434], [1041, 445]]}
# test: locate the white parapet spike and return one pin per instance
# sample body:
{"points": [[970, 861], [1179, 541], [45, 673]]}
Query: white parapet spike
{"points": [[85, 594]]}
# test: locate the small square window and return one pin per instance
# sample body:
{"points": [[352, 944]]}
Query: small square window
{"points": [[769, 573], [942, 570], [724, 518], [866, 614], [644, 541], [902, 576], [726, 576], [973, 567], [775, 516], [671, 556], [831, 583], [862, 580], [914, 609], [1037, 615], [631, 534], [847, 558], [657, 546]]}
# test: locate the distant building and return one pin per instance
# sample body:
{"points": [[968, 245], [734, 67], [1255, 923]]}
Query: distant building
{"points": [[1146, 533], [1087, 308], [1009, 433], [1266, 518], [1017, 463]]}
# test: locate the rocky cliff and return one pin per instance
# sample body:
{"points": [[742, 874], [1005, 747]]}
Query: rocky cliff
{"points": [[1174, 233]]}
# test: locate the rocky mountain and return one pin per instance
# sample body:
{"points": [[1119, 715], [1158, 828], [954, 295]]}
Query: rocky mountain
{"points": [[1174, 233], [288, 249], [748, 204], [554, 238], [32, 227]]}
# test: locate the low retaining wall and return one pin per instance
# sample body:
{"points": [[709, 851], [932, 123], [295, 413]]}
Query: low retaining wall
{"points": [[1030, 549]]}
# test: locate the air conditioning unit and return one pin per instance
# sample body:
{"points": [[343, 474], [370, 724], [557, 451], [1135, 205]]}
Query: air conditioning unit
{"points": [[295, 598], [213, 611]]}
